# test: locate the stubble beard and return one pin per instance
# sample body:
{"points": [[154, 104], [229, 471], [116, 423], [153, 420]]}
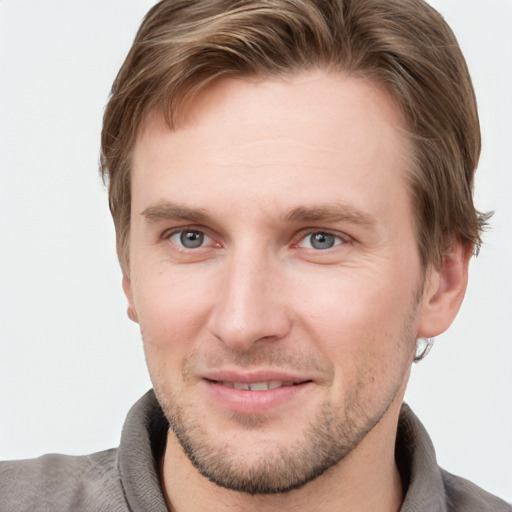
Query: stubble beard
{"points": [[328, 438], [326, 442]]}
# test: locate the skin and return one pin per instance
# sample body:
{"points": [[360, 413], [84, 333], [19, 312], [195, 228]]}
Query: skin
{"points": [[253, 169]]}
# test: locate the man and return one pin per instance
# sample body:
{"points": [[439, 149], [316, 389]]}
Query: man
{"points": [[291, 188]]}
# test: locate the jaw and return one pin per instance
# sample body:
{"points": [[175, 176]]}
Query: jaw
{"points": [[365, 479], [308, 428]]}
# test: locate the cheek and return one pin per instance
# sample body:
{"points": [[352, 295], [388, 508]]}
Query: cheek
{"points": [[366, 329], [172, 308], [357, 313]]}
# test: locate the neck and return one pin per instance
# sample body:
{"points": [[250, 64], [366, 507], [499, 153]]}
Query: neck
{"points": [[366, 480]]}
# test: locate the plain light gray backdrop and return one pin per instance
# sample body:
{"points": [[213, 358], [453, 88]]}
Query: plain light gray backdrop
{"points": [[71, 363]]}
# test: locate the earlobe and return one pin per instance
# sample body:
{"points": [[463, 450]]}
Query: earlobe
{"points": [[127, 287], [444, 291]]}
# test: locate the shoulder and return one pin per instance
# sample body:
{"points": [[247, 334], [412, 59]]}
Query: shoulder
{"points": [[464, 496], [62, 483], [429, 486]]}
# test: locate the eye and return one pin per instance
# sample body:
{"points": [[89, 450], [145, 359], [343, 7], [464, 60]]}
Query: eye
{"points": [[189, 238], [320, 240]]}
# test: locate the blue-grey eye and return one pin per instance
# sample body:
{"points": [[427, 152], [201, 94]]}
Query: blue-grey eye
{"points": [[320, 240], [189, 239]]}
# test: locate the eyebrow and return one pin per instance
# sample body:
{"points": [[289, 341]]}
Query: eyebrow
{"points": [[321, 213], [330, 213], [172, 211]]}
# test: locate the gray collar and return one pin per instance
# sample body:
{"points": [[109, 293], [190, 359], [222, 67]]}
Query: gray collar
{"points": [[145, 432], [142, 444]]}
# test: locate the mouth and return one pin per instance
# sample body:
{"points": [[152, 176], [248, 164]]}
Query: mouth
{"points": [[256, 394], [258, 386]]}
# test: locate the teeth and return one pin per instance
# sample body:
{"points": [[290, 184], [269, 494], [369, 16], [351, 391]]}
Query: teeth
{"points": [[241, 385], [256, 386], [260, 386]]}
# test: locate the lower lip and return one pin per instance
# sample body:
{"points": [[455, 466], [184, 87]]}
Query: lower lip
{"points": [[254, 402]]}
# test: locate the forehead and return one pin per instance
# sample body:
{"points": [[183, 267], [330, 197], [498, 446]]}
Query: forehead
{"points": [[306, 136], [287, 104]]}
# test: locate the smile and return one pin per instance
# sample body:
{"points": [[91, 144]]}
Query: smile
{"points": [[257, 396], [258, 386]]}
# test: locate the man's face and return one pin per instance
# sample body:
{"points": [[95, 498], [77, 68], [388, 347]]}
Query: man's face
{"points": [[275, 274]]}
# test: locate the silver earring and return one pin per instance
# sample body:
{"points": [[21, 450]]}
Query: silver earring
{"points": [[423, 346]]}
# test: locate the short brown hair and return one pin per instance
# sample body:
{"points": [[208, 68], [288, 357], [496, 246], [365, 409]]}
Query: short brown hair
{"points": [[403, 45]]}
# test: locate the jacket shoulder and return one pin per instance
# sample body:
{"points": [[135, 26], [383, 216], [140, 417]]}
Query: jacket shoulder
{"points": [[62, 483], [464, 496]]}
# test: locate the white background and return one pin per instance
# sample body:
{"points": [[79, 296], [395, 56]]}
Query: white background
{"points": [[71, 363]]}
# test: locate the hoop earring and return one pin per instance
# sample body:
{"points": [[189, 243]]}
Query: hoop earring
{"points": [[423, 346]]}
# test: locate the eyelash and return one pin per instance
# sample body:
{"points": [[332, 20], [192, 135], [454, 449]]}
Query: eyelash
{"points": [[181, 231], [339, 239]]}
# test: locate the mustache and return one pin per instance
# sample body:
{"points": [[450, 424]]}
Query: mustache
{"points": [[257, 357]]}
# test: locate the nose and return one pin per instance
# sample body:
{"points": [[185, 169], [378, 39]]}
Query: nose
{"points": [[251, 306]]}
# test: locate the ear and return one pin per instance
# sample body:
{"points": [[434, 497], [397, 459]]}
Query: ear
{"points": [[444, 291], [127, 288]]}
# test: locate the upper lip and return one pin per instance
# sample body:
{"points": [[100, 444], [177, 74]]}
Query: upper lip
{"points": [[251, 376]]}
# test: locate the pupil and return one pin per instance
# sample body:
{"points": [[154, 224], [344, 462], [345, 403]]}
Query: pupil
{"points": [[322, 240], [191, 239]]}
